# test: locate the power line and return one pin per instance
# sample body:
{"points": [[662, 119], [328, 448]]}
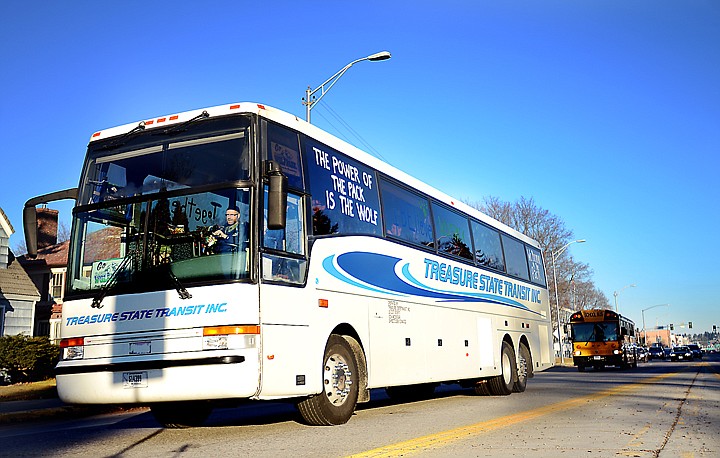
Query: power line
{"points": [[352, 131]]}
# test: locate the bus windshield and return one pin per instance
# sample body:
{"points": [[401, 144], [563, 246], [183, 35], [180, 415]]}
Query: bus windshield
{"points": [[160, 208], [157, 243], [595, 332], [150, 163]]}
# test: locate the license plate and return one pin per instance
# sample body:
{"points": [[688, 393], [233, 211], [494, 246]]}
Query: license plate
{"points": [[597, 357], [135, 379]]}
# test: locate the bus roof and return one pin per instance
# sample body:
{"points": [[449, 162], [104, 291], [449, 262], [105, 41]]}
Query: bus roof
{"points": [[320, 135]]}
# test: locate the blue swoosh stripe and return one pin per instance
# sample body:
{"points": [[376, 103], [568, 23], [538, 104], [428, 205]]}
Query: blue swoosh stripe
{"points": [[367, 270]]}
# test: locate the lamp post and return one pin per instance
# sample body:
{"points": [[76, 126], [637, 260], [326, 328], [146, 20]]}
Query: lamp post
{"points": [[555, 255], [309, 104], [643, 320], [621, 290]]}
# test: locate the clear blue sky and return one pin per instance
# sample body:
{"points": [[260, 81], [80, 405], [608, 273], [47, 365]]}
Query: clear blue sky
{"points": [[606, 112]]}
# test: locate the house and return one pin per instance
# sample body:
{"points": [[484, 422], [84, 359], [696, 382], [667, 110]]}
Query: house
{"points": [[18, 294], [48, 272]]}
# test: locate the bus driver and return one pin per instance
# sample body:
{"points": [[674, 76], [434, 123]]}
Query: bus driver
{"points": [[228, 237]]}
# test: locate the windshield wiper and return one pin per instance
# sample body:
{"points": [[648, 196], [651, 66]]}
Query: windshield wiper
{"points": [[182, 292], [181, 127], [97, 300], [120, 140]]}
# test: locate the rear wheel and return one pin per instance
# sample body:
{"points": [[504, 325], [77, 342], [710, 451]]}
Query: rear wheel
{"points": [[336, 404], [181, 414], [524, 368], [481, 388], [502, 384]]}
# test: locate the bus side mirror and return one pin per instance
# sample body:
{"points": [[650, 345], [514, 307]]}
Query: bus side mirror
{"points": [[277, 196], [30, 216]]}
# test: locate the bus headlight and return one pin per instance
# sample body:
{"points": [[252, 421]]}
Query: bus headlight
{"points": [[72, 349], [577, 353], [230, 337], [617, 352]]}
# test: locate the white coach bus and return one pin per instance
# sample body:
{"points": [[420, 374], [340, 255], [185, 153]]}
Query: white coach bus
{"points": [[238, 252]]}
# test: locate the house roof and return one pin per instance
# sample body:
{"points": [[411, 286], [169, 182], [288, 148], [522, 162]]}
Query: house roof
{"points": [[52, 256], [15, 282], [5, 225]]}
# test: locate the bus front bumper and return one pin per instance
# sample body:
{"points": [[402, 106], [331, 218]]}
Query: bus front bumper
{"points": [[146, 382]]}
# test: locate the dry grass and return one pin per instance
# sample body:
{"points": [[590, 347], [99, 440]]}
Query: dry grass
{"points": [[27, 391]]}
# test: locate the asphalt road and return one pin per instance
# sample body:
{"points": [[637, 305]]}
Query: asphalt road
{"points": [[660, 409]]}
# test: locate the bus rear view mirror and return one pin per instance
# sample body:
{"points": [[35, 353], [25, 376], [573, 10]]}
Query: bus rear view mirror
{"points": [[277, 196], [30, 216]]}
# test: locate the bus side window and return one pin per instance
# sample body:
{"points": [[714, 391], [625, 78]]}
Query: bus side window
{"points": [[406, 215], [515, 257], [452, 232], [283, 257], [488, 249]]}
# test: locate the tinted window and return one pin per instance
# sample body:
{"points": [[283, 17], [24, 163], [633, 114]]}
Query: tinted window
{"points": [[344, 192], [452, 232], [537, 272], [283, 148], [515, 257], [406, 215], [488, 250], [166, 167]]}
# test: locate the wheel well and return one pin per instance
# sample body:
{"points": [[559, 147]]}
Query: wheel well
{"points": [[508, 339], [345, 329]]}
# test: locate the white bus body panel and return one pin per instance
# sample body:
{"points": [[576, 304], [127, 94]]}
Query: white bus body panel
{"points": [[162, 335], [414, 327]]}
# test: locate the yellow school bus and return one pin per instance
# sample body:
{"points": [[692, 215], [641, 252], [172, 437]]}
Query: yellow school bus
{"points": [[602, 338]]}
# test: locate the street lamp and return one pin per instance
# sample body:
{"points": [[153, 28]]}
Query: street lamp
{"points": [[555, 254], [309, 104], [643, 319], [621, 290]]}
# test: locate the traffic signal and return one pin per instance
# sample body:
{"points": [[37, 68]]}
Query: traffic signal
{"points": [[690, 324], [714, 328], [672, 326]]}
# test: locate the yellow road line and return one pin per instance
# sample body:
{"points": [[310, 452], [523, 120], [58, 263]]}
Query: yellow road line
{"points": [[445, 438]]}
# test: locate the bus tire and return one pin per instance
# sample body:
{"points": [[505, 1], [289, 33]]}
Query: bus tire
{"points": [[502, 385], [178, 415], [524, 368], [481, 388], [336, 404]]}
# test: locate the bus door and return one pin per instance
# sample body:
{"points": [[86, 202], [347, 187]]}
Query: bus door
{"points": [[285, 305]]}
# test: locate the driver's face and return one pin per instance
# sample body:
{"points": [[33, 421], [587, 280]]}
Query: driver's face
{"points": [[231, 216]]}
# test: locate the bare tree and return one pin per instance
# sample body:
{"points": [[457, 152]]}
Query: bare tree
{"points": [[19, 248], [576, 290], [63, 234]]}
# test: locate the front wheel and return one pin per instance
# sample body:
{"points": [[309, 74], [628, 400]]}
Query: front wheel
{"points": [[503, 384], [336, 404]]}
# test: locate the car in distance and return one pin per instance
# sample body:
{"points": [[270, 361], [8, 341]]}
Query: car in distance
{"points": [[642, 354], [696, 351], [681, 353], [656, 353]]}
